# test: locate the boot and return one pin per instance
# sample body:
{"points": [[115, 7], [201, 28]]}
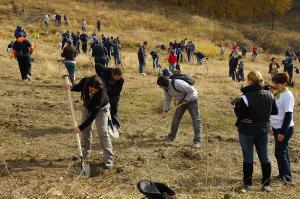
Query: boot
{"points": [[266, 174], [248, 170]]}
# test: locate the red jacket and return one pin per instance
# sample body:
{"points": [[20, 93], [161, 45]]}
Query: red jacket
{"points": [[172, 59]]}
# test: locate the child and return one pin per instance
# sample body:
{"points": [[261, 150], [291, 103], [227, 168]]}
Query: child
{"points": [[172, 61], [273, 67]]}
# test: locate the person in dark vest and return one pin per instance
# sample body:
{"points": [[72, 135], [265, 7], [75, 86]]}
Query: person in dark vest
{"points": [[273, 67], [99, 52], [114, 81], [289, 69], [253, 110], [233, 63], [22, 50], [283, 126]]}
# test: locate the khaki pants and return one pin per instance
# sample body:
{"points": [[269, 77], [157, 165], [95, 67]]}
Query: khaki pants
{"points": [[102, 130]]}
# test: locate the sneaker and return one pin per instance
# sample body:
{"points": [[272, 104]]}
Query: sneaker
{"points": [[108, 165], [246, 188], [265, 189], [28, 77], [196, 145]]}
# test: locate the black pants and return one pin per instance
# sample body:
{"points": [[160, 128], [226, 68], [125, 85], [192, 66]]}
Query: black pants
{"points": [[84, 47], [24, 65], [114, 107]]}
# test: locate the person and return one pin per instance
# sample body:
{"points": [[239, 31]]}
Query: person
{"points": [[199, 56], [58, 20], [95, 108], [172, 59], [155, 59], [233, 63], [46, 22], [20, 29], [66, 20], [84, 40], [99, 52], [244, 52], [253, 110], [113, 79], [187, 97], [235, 47], [190, 51], [240, 72], [297, 54], [142, 57], [76, 41], [108, 45], [69, 53], [64, 38], [289, 69], [273, 67], [222, 52], [254, 52], [283, 125], [179, 53], [22, 50], [83, 25], [116, 48], [98, 24]]}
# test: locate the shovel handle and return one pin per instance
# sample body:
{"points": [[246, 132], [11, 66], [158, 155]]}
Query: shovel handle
{"points": [[73, 117]]}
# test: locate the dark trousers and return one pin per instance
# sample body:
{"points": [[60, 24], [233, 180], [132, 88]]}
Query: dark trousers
{"points": [[114, 107], [142, 63], [282, 154], [84, 47], [24, 66]]}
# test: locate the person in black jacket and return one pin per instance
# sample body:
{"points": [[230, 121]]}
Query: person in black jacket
{"points": [[253, 111], [114, 81], [99, 52], [95, 108], [233, 63], [84, 40]]}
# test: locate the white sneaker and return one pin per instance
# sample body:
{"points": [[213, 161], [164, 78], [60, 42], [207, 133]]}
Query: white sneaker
{"points": [[28, 77], [108, 165], [197, 145]]}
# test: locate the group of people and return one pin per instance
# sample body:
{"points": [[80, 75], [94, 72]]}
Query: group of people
{"points": [[257, 110]]}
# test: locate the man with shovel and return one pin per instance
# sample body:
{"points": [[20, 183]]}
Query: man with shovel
{"points": [[95, 108], [187, 97]]}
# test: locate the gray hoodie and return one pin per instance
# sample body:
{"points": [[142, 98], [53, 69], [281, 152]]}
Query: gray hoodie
{"points": [[187, 93]]}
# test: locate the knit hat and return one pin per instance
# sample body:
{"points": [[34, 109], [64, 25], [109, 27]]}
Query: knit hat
{"points": [[20, 34], [165, 72], [163, 81]]}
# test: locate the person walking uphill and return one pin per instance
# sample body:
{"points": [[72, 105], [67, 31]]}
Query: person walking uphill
{"points": [[99, 52], [114, 81], [253, 110], [187, 96], [283, 125], [95, 108], [69, 53], [22, 50]]}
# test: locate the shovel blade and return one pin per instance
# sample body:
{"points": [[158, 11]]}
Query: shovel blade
{"points": [[83, 169]]}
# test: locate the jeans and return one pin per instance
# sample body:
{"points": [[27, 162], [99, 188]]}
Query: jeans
{"points": [[114, 107], [192, 107], [261, 143], [71, 67], [155, 63], [282, 153], [102, 130], [24, 65], [142, 63], [171, 67]]}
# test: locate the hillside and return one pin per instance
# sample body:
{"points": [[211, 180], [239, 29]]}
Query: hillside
{"points": [[35, 143]]}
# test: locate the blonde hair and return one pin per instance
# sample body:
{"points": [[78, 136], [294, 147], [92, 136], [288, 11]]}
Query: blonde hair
{"points": [[256, 77]]}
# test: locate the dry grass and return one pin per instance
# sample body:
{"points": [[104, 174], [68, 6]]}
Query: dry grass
{"points": [[36, 147]]}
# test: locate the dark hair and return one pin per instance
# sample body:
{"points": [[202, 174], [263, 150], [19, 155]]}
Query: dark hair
{"points": [[95, 82], [117, 71], [272, 58], [145, 42], [239, 57], [281, 78], [163, 81]]}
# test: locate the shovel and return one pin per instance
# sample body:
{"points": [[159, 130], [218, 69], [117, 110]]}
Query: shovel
{"points": [[82, 168]]}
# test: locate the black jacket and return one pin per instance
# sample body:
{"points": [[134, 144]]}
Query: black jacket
{"points": [[113, 87], [254, 118], [99, 51], [91, 104]]}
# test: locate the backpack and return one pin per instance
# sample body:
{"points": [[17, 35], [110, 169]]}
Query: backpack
{"points": [[183, 77]]}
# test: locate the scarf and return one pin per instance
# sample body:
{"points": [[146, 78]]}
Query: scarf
{"points": [[277, 95]]}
